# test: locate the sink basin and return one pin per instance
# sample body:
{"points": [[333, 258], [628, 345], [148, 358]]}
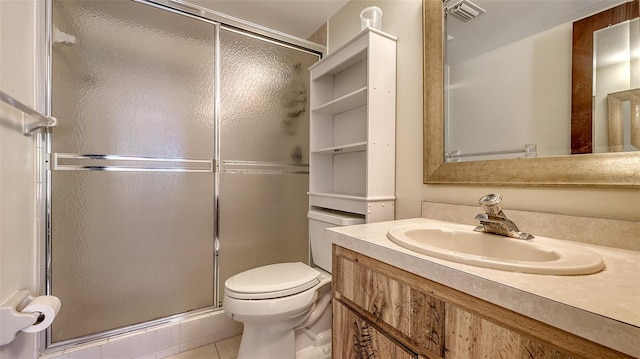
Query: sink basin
{"points": [[459, 243]]}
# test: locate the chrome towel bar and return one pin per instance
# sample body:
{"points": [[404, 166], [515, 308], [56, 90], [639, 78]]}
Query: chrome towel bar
{"points": [[117, 163], [42, 121]]}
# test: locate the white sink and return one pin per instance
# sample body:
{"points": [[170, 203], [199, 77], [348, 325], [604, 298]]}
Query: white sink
{"points": [[459, 243]]}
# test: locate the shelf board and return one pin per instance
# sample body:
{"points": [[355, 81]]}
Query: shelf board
{"points": [[348, 196], [337, 150], [353, 196], [349, 101], [335, 63]]}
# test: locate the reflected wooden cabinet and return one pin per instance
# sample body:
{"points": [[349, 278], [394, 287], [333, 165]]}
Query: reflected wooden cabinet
{"points": [[403, 315]]}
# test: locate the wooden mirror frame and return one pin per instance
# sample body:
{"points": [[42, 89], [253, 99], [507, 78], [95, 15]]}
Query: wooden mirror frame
{"points": [[618, 170]]}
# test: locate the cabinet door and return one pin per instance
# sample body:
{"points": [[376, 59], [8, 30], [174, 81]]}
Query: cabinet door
{"points": [[469, 336], [413, 313], [355, 338]]}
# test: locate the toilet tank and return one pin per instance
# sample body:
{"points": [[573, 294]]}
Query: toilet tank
{"points": [[319, 219]]}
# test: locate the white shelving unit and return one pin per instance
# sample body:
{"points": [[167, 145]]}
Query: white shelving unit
{"points": [[353, 111]]}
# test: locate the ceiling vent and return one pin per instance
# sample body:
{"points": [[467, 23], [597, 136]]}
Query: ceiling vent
{"points": [[465, 10]]}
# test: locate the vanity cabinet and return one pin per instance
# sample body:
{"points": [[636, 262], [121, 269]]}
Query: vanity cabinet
{"points": [[425, 319], [352, 127]]}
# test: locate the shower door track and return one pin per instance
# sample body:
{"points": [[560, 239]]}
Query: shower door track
{"points": [[230, 22]]}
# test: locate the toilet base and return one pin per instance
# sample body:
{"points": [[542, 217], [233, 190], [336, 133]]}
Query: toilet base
{"points": [[313, 352], [266, 341], [282, 341], [259, 345]]}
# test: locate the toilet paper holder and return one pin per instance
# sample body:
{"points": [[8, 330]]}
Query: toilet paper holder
{"points": [[12, 320]]}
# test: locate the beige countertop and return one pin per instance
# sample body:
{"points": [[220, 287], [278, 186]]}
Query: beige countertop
{"points": [[603, 307]]}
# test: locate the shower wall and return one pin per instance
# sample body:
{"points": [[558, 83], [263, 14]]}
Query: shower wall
{"points": [[151, 157]]}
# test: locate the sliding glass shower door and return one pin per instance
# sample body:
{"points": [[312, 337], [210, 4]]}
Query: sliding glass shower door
{"points": [[162, 182], [132, 177], [264, 153]]}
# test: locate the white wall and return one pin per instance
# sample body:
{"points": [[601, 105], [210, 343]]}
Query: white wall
{"points": [[17, 176], [403, 18]]}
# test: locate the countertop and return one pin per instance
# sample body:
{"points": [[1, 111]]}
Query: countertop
{"points": [[603, 307]]}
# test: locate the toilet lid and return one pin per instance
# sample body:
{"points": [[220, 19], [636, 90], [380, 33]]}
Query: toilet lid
{"points": [[272, 281]]}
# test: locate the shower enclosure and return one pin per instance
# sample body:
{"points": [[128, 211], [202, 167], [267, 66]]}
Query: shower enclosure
{"points": [[180, 159]]}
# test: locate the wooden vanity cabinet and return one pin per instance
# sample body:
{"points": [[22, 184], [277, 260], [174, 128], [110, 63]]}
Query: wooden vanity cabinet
{"points": [[381, 311]]}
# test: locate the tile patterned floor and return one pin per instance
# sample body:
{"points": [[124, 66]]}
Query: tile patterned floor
{"points": [[224, 349]]}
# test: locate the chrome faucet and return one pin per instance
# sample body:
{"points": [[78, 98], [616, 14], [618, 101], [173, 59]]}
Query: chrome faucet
{"points": [[495, 221]]}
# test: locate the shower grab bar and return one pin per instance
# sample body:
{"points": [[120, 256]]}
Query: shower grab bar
{"points": [[200, 165], [42, 121], [530, 150]]}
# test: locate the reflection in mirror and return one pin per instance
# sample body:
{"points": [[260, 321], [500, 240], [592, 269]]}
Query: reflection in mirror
{"points": [[617, 170], [508, 79], [624, 120], [616, 53]]}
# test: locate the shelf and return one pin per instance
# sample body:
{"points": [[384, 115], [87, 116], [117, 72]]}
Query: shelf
{"points": [[349, 101], [336, 63], [352, 196], [352, 128], [336, 150], [349, 196], [349, 53], [354, 203]]}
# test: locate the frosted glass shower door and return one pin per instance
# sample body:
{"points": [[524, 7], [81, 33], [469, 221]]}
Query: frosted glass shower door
{"points": [[264, 152], [132, 224]]}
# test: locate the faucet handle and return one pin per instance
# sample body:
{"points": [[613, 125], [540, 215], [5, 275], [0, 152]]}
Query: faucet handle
{"points": [[491, 203]]}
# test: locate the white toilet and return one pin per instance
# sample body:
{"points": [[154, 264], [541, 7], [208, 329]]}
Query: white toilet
{"points": [[285, 304]]}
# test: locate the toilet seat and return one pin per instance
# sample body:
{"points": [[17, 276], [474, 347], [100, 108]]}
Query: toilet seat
{"points": [[272, 281]]}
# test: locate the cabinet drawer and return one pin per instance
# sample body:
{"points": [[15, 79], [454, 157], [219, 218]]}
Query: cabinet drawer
{"points": [[357, 338], [418, 317]]}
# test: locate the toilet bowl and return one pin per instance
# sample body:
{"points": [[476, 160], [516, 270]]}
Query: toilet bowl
{"points": [[286, 306], [273, 302]]}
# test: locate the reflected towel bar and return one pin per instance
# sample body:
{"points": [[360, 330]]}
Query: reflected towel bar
{"points": [[42, 121], [529, 150]]}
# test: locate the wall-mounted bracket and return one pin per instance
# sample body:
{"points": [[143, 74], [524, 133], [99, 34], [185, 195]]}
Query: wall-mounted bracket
{"points": [[40, 120], [11, 319]]}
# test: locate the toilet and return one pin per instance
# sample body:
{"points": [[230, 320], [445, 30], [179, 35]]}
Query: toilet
{"points": [[286, 306]]}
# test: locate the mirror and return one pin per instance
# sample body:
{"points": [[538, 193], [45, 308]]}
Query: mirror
{"points": [[608, 170]]}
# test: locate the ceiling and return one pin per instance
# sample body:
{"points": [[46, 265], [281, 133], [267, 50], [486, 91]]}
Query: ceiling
{"points": [[300, 18], [506, 21]]}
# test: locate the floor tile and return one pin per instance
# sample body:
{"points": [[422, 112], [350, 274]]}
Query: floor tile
{"points": [[228, 348], [205, 352]]}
